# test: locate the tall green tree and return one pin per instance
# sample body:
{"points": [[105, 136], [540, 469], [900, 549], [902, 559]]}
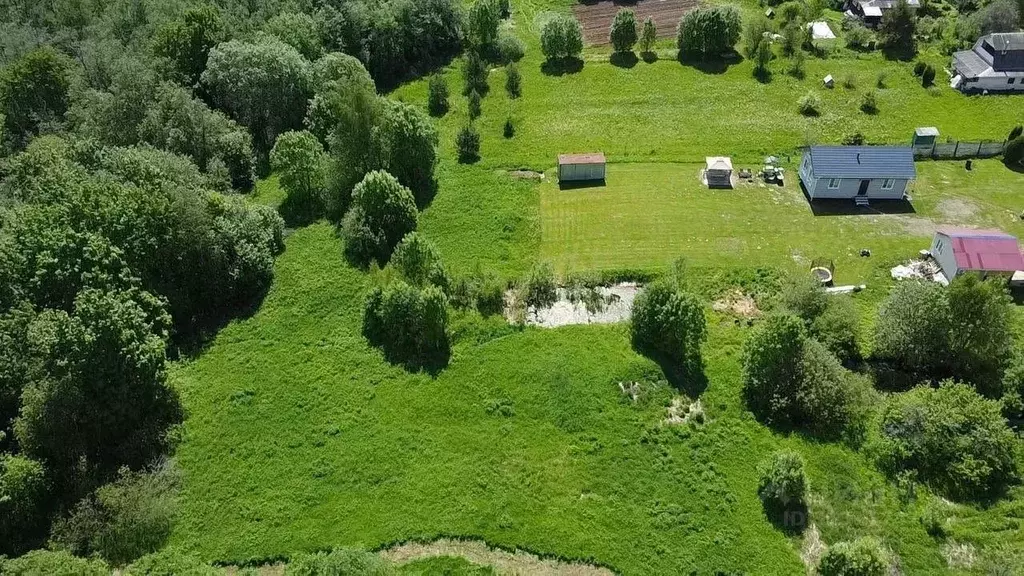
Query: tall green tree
{"points": [[669, 325], [298, 30], [623, 34], [34, 93], [648, 36], [898, 30], [101, 373], [382, 213], [187, 41], [709, 32], [263, 85], [301, 162]]}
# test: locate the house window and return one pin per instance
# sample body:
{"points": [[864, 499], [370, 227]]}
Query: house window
{"points": [[1010, 81], [888, 184], [833, 183]]}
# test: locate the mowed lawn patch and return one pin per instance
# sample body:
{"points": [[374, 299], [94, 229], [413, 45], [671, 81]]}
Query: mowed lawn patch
{"points": [[647, 215]]}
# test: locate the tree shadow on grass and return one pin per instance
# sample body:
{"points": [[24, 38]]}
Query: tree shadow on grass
{"points": [[561, 67], [764, 76], [192, 339], [791, 518], [624, 59], [709, 65], [689, 378]]}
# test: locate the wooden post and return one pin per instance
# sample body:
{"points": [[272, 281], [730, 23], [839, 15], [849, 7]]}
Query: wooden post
{"points": [[956, 148]]}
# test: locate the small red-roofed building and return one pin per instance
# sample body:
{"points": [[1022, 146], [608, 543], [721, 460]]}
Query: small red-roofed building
{"points": [[986, 252]]}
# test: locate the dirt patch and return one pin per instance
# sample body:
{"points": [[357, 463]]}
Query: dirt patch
{"points": [[681, 411], [596, 17], [737, 303], [526, 175], [813, 548], [917, 226], [616, 305], [504, 562], [957, 209]]}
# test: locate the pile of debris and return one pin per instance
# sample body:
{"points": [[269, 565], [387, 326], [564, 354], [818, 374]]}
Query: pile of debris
{"points": [[923, 269]]}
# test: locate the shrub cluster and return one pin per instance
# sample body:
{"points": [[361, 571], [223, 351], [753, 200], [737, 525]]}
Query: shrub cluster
{"points": [[791, 380], [783, 483], [709, 32], [623, 34], [810, 104], [382, 213], [862, 557], [409, 324], [561, 38], [832, 320], [949, 437], [963, 332], [669, 325]]}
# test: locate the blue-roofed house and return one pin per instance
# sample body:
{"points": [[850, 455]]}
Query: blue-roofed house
{"points": [[859, 173]]}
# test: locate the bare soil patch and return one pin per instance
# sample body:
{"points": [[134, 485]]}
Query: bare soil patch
{"points": [[957, 209], [596, 17], [738, 303], [504, 562]]}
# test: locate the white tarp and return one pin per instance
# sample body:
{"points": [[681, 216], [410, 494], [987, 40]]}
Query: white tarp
{"points": [[821, 31]]}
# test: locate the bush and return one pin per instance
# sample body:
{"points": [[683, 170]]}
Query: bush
{"points": [[409, 325], [855, 139], [950, 438], [123, 520], [919, 67], [1013, 155], [796, 64], [623, 31], [898, 31], [881, 80], [809, 104], [513, 81], [483, 291], [928, 76], [509, 130], [753, 34], [858, 37], [803, 295], [561, 38], [783, 482], [437, 95], [1013, 391], [510, 48], [837, 328], [23, 494], [862, 557], [962, 331], [668, 325], [539, 290], [1015, 132], [793, 381], [482, 21], [709, 32], [339, 562], [473, 105], [52, 563], [933, 518], [170, 562], [474, 74], [869, 103], [467, 143], [419, 263], [382, 213], [794, 37], [648, 36]]}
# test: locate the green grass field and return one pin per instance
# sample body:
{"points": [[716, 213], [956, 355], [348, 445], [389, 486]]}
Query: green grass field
{"points": [[300, 436]]}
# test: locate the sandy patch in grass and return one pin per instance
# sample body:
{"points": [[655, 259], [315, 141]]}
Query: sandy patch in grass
{"points": [[737, 303], [917, 226], [957, 209], [813, 548], [507, 563], [617, 307]]}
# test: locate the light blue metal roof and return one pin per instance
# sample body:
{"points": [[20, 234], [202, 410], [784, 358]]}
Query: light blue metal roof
{"points": [[864, 162]]}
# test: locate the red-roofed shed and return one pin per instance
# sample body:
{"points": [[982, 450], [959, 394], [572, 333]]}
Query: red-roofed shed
{"points": [[959, 250]]}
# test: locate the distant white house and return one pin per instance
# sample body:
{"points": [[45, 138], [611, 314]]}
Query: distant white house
{"points": [[995, 64], [859, 173], [986, 252], [871, 11]]}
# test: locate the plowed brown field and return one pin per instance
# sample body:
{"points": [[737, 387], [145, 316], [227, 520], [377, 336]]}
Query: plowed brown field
{"points": [[597, 17]]}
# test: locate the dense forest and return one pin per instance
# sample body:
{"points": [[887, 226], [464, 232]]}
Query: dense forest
{"points": [[129, 133]]}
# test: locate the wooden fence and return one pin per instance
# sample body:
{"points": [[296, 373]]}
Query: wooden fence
{"points": [[956, 150]]}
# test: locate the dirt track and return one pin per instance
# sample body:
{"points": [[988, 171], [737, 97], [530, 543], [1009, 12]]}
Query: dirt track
{"points": [[597, 17]]}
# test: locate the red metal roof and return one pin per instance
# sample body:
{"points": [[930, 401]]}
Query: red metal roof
{"points": [[596, 158], [985, 250]]}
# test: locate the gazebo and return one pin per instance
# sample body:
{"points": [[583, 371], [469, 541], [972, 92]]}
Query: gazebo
{"points": [[718, 172]]}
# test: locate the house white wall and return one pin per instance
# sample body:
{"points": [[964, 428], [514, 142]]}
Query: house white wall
{"points": [[995, 83], [942, 252], [848, 188]]}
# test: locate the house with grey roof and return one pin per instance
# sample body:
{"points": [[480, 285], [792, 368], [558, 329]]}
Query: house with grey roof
{"points": [[995, 64], [858, 173], [870, 11]]}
